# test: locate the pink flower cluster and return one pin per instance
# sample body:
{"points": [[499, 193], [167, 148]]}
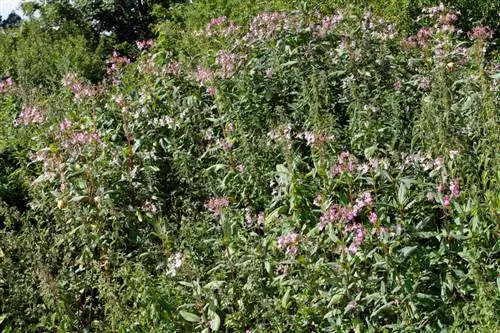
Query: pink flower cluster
{"points": [[338, 213], [149, 207], [345, 163], [114, 65], [480, 32], [329, 23], [81, 91], [314, 139], [173, 68], [28, 116], [266, 25], [423, 37], [144, 44], [454, 188], [227, 63], [283, 133], [204, 76], [215, 205], [219, 26], [65, 125], [434, 10], [359, 236], [426, 162], [250, 219], [80, 139], [5, 83], [289, 241]]}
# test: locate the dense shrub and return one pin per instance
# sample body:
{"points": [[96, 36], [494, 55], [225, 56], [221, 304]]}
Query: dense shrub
{"points": [[288, 171]]}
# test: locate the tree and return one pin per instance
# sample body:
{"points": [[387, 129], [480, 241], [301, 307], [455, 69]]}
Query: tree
{"points": [[12, 21], [128, 20]]}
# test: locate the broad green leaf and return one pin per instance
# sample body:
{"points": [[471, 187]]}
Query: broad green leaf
{"points": [[191, 317]]}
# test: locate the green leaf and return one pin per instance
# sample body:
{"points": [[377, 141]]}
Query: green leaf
{"points": [[406, 251], [191, 317], [335, 299], [215, 321], [284, 300], [213, 285]]}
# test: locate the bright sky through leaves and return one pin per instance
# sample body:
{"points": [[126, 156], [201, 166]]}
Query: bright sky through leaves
{"points": [[7, 6]]}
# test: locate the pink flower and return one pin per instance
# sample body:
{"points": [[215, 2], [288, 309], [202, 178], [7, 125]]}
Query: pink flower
{"points": [[144, 44], [290, 241], [64, 125], [353, 248], [352, 305], [211, 91], [215, 205], [360, 236], [446, 201], [453, 154], [241, 168], [455, 188], [481, 32], [367, 198], [269, 73], [373, 217], [29, 115]]}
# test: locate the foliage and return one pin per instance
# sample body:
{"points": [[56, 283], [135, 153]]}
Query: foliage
{"points": [[286, 171]]}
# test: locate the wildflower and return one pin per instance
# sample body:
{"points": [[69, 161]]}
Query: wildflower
{"points": [[226, 145], [175, 262], [204, 75], [241, 167], [455, 188], [260, 218], [269, 73], [318, 200], [446, 201], [144, 44], [215, 205], [290, 242], [480, 32], [29, 115], [64, 125], [352, 305], [248, 217], [282, 269], [367, 198], [373, 217], [211, 91], [425, 83], [398, 85], [453, 154], [227, 63], [353, 248], [149, 207]]}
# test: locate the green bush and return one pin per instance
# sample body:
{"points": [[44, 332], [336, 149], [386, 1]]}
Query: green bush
{"points": [[289, 171]]}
